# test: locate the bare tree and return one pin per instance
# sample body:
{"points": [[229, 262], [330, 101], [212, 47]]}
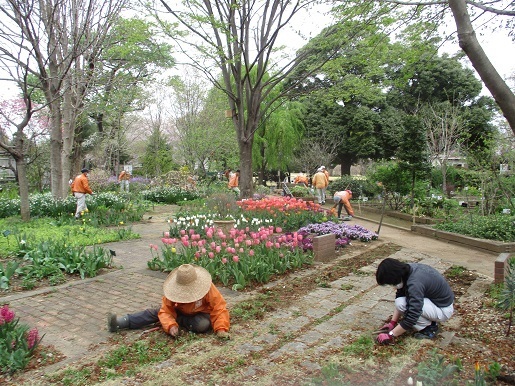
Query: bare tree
{"points": [[241, 38], [444, 128], [59, 42], [314, 154], [19, 133], [205, 137]]}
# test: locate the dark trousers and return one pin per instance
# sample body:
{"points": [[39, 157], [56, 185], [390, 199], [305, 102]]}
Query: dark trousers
{"points": [[340, 206], [200, 322]]}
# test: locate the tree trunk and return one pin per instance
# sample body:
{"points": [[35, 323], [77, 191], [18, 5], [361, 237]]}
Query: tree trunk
{"points": [[246, 180], [68, 137], [345, 164], [487, 72], [444, 178], [56, 139], [23, 186]]}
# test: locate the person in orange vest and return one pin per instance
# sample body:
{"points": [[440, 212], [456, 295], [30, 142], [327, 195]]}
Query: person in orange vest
{"points": [[80, 187], [320, 182], [190, 301], [342, 199], [327, 177], [234, 181], [123, 179], [301, 179]]}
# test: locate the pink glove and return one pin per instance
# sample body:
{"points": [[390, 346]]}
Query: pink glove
{"points": [[389, 326], [384, 339]]}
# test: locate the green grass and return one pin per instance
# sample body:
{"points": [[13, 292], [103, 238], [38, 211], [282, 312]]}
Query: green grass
{"points": [[79, 233], [362, 347], [455, 271]]}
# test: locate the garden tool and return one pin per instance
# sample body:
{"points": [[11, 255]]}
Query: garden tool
{"points": [[380, 331], [150, 330]]}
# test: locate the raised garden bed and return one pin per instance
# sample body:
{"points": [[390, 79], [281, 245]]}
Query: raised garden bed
{"points": [[489, 245]]}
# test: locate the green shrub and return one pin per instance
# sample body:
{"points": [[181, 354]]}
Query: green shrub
{"points": [[169, 195], [51, 258], [359, 187], [494, 227], [44, 205], [301, 191]]}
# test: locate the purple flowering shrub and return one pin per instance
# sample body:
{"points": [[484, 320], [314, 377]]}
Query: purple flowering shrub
{"points": [[17, 342], [344, 233]]}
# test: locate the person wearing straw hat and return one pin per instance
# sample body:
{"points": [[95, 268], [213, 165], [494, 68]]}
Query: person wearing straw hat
{"points": [[190, 301]]}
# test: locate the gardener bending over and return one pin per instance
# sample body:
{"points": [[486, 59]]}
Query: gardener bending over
{"points": [[423, 298], [190, 301]]}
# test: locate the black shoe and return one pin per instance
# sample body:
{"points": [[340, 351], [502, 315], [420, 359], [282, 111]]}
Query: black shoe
{"points": [[428, 333]]}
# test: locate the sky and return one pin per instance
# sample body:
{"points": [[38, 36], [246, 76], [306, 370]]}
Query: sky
{"points": [[499, 47]]}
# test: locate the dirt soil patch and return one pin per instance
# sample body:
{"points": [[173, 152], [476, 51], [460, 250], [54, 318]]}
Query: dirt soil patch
{"points": [[477, 334]]}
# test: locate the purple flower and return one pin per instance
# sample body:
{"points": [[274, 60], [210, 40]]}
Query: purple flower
{"points": [[343, 232]]}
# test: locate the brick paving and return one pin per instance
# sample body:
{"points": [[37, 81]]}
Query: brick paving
{"points": [[72, 316]]}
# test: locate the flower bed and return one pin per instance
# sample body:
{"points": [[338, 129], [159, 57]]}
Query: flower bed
{"points": [[238, 258], [258, 246]]}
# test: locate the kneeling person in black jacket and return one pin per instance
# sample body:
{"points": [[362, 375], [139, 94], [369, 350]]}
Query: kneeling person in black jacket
{"points": [[423, 298]]}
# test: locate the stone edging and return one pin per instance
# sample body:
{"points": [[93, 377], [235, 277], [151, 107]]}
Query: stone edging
{"points": [[402, 216], [489, 245]]}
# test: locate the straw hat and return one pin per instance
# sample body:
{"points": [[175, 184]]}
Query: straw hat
{"points": [[187, 283]]}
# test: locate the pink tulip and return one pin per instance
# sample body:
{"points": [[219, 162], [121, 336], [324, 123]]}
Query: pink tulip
{"points": [[153, 246], [248, 243], [186, 243], [218, 249], [235, 258], [166, 234], [224, 260], [268, 244], [212, 245], [192, 231], [211, 255], [203, 250], [183, 232], [278, 230], [241, 250], [251, 252], [277, 245]]}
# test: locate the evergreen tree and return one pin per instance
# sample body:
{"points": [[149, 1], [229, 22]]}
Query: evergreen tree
{"points": [[158, 156]]}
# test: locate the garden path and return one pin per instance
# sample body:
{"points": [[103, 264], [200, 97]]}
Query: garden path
{"points": [[72, 316]]}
